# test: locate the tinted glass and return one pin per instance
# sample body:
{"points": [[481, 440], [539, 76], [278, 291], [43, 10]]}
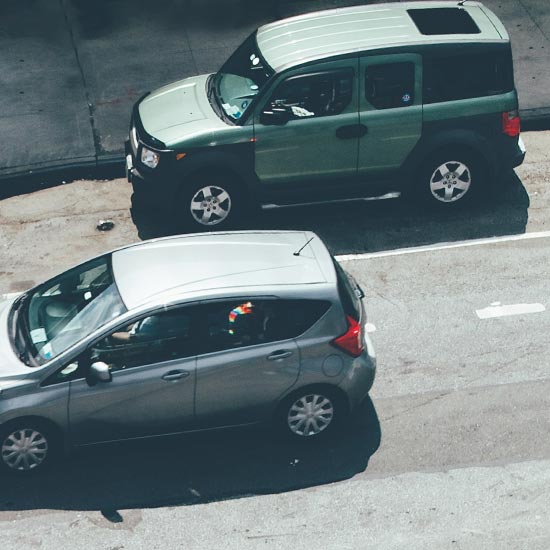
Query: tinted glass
{"points": [[249, 322], [461, 77], [314, 95], [443, 21], [241, 77], [389, 86], [349, 295], [153, 339]]}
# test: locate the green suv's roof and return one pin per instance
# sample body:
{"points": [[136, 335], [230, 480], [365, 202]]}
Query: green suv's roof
{"points": [[321, 34]]}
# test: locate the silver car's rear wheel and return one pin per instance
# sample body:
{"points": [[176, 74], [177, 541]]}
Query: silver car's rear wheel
{"points": [[310, 415], [24, 448]]}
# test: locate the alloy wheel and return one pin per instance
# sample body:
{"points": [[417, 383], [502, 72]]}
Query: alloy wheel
{"points": [[210, 205], [450, 181]]}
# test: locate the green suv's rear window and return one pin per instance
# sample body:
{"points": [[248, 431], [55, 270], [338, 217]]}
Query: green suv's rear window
{"points": [[443, 21]]}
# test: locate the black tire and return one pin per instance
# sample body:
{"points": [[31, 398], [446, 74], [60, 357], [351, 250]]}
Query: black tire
{"points": [[43, 446], [212, 202], [451, 178], [331, 412]]}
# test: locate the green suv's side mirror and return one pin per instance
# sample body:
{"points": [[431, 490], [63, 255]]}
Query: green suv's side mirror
{"points": [[275, 116]]}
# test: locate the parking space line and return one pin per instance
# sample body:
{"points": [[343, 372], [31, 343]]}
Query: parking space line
{"points": [[498, 310], [443, 246]]}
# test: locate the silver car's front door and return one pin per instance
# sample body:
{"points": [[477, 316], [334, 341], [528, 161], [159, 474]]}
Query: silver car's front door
{"points": [[152, 362], [141, 401]]}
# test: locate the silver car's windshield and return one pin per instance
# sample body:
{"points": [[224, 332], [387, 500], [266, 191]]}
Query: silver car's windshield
{"points": [[241, 77], [66, 309]]}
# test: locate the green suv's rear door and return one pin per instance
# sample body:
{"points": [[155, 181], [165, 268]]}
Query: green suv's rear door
{"points": [[390, 107], [319, 140]]}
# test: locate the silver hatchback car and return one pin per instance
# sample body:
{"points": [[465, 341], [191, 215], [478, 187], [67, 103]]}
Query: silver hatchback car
{"points": [[181, 334]]}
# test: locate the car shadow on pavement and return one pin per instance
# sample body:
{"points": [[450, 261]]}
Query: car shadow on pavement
{"points": [[194, 469], [29, 183], [371, 226]]}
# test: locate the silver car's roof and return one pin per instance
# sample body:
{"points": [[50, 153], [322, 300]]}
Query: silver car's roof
{"points": [[189, 264]]}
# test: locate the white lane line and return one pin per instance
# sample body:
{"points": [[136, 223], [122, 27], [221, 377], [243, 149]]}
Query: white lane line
{"points": [[497, 310], [443, 246], [10, 295]]}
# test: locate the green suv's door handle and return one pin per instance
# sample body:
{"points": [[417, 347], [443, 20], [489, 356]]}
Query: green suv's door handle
{"points": [[351, 131]]}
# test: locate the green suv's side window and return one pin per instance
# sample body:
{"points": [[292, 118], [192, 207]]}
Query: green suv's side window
{"points": [[314, 95], [390, 85], [456, 77]]}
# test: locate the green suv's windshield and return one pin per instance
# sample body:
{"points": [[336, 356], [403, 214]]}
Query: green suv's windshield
{"points": [[241, 77], [52, 317]]}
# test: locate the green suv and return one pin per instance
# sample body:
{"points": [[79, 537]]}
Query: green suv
{"points": [[415, 98]]}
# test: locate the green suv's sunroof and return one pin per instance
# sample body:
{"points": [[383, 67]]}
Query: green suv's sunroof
{"points": [[443, 21]]}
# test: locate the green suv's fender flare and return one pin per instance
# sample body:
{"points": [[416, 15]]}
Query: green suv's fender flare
{"points": [[237, 162], [460, 139]]}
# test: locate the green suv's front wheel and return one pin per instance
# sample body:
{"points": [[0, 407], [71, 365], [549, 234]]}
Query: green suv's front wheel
{"points": [[211, 203], [451, 178]]}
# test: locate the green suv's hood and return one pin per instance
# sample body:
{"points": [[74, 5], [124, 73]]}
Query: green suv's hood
{"points": [[179, 111]]}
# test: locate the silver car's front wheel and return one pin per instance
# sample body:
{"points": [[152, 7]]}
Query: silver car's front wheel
{"points": [[310, 415], [24, 448]]}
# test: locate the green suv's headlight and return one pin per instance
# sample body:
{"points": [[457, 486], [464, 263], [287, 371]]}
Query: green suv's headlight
{"points": [[149, 158]]}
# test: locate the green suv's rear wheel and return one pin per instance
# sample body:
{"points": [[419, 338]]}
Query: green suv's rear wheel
{"points": [[451, 178], [210, 203]]}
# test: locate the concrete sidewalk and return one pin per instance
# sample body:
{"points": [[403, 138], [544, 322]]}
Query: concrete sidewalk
{"points": [[72, 69]]}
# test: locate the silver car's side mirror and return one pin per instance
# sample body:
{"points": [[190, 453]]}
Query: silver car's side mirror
{"points": [[100, 371]]}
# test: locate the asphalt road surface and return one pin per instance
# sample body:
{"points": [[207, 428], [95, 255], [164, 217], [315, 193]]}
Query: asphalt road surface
{"points": [[452, 451]]}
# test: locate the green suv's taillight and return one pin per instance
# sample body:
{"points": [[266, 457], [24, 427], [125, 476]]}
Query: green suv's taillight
{"points": [[511, 123]]}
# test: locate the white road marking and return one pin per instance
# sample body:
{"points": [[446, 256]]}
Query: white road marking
{"points": [[443, 246], [369, 327], [497, 310], [10, 295]]}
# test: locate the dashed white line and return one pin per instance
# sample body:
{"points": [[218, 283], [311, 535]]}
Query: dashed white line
{"points": [[443, 246], [497, 310]]}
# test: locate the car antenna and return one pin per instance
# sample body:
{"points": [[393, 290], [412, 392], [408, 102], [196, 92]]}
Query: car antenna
{"points": [[297, 253], [461, 2]]}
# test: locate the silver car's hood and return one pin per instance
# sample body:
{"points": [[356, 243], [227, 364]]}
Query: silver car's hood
{"points": [[10, 365]]}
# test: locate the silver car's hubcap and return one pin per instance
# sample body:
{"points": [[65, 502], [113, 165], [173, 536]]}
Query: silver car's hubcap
{"points": [[310, 415], [24, 449], [450, 181], [210, 205]]}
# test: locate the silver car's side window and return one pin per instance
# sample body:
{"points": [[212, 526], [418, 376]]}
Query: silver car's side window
{"points": [[241, 323], [153, 339]]}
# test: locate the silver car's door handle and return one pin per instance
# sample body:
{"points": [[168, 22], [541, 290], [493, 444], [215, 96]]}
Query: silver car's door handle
{"points": [[175, 375], [279, 354]]}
